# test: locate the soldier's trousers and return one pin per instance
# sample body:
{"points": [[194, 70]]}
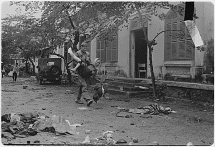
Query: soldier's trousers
{"points": [[84, 89]]}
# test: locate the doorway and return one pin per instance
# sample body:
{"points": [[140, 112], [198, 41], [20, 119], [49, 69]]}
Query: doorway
{"points": [[140, 52]]}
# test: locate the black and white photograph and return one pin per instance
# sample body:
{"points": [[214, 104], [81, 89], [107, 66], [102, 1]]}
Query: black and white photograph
{"points": [[107, 73]]}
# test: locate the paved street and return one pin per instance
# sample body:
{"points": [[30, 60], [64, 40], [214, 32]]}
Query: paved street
{"points": [[191, 123]]}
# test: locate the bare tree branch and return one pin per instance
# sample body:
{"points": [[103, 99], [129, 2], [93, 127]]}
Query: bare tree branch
{"points": [[70, 19], [57, 55], [164, 31]]}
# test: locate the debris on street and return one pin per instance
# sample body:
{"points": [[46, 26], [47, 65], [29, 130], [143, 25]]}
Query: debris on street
{"points": [[121, 141], [189, 144], [87, 131], [29, 124], [154, 143], [82, 108], [152, 109], [135, 140], [87, 140], [25, 87], [105, 139]]}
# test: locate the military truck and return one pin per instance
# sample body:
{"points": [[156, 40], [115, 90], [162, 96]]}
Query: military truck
{"points": [[49, 69]]}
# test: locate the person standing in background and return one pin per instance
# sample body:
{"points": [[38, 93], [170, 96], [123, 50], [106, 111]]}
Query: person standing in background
{"points": [[2, 71], [15, 71]]}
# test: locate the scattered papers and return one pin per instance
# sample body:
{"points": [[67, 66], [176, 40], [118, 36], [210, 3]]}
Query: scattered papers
{"points": [[141, 87], [87, 140], [82, 108]]}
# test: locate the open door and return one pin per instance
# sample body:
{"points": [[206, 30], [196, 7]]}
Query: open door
{"points": [[140, 52]]}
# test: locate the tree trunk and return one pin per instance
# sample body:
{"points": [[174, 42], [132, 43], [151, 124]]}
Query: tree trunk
{"points": [[26, 65], [33, 65], [152, 71], [151, 64]]}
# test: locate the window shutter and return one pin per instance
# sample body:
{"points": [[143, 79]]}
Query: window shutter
{"points": [[174, 50], [109, 51], [98, 49], [100, 52], [98, 44], [174, 33], [114, 49], [111, 48], [103, 58], [181, 50], [167, 51], [182, 33], [114, 55], [189, 49], [168, 40], [177, 45]]}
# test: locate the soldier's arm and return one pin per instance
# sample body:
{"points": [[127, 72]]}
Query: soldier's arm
{"points": [[88, 58], [74, 55]]}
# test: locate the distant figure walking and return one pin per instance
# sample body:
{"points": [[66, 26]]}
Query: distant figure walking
{"points": [[2, 71], [15, 71]]}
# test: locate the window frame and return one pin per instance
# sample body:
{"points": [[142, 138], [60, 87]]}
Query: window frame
{"points": [[109, 53], [172, 38]]}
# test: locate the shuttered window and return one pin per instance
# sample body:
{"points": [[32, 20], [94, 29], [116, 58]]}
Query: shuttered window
{"points": [[107, 50], [100, 52], [178, 44]]}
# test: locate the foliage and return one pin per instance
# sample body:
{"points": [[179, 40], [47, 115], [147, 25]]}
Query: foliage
{"points": [[198, 76], [20, 32], [209, 57], [191, 94], [167, 76], [61, 18], [8, 68], [161, 91]]}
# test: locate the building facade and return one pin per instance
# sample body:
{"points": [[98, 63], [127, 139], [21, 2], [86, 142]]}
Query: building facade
{"points": [[174, 53]]}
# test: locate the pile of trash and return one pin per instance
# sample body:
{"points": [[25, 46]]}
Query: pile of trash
{"points": [[29, 124], [105, 139], [152, 109]]}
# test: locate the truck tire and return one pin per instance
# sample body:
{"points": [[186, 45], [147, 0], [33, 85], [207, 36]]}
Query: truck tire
{"points": [[54, 70], [41, 81]]}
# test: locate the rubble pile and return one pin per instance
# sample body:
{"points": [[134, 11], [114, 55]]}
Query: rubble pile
{"points": [[29, 124], [152, 109]]}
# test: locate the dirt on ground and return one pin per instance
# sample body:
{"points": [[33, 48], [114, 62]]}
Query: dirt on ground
{"points": [[191, 122]]}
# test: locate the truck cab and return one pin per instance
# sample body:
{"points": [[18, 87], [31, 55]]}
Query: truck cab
{"points": [[49, 69]]}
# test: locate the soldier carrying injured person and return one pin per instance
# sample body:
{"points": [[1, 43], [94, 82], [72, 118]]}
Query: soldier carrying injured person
{"points": [[85, 71]]}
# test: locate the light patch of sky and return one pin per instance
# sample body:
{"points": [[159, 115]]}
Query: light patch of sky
{"points": [[7, 10]]}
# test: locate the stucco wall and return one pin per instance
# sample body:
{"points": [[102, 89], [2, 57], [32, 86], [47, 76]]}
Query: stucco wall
{"points": [[93, 50], [123, 49], [205, 24]]}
